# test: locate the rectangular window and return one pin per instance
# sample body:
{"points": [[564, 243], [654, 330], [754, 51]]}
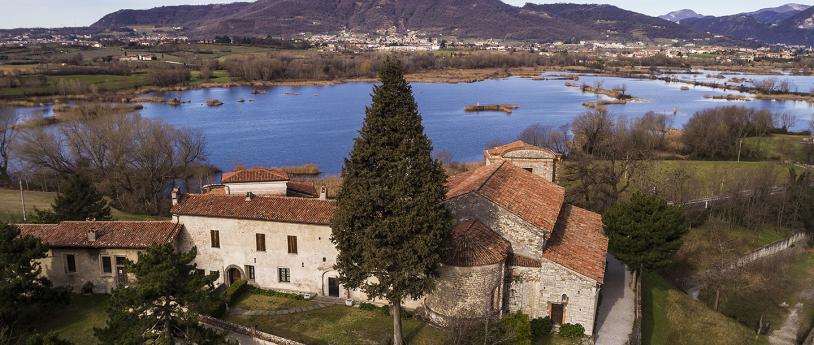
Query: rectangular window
{"points": [[250, 272], [70, 263], [285, 274], [107, 265], [261, 242], [292, 244], [215, 234]]}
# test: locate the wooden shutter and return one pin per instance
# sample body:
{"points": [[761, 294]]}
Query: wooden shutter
{"points": [[261, 242], [292, 244], [215, 238]]}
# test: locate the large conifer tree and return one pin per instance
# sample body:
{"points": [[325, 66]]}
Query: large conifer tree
{"points": [[163, 304], [390, 226], [80, 201]]}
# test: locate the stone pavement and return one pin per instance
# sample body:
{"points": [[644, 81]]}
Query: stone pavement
{"points": [[787, 334], [617, 309]]}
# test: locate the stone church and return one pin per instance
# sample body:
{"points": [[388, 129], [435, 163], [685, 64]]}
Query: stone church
{"points": [[517, 245]]}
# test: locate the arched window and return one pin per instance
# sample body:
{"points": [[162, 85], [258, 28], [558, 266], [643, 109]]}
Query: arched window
{"points": [[564, 298]]}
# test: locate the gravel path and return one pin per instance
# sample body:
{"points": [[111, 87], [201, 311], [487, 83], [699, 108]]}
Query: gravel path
{"points": [[617, 311], [787, 334]]}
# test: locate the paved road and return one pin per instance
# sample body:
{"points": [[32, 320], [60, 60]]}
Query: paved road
{"points": [[617, 309]]}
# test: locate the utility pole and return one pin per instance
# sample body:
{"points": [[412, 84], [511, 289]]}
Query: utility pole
{"points": [[740, 143], [22, 199]]}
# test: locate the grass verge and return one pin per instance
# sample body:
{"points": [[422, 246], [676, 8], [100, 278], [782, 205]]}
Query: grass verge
{"points": [[75, 322]]}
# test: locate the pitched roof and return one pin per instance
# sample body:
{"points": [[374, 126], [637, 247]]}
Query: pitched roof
{"points": [[579, 243], [517, 145], [523, 261], [261, 207], [474, 244], [531, 197], [301, 188], [109, 234], [255, 175]]}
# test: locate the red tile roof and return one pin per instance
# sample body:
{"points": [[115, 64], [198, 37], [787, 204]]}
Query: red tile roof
{"points": [[129, 235], [261, 207], [255, 175], [474, 244], [517, 145], [579, 243], [523, 261], [302, 188], [531, 197]]}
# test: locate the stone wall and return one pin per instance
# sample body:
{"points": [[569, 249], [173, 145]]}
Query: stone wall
{"points": [[245, 335], [526, 239], [88, 268], [466, 293], [310, 268], [532, 290], [540, 162]]}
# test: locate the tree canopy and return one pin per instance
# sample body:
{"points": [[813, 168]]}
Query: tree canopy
{"points": [[80, 201], [24, 294], [644, 232], [163, 304], [390, 226]]}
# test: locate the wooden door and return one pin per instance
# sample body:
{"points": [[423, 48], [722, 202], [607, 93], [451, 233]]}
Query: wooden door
{"points": [[557, 313], [333, 287]]}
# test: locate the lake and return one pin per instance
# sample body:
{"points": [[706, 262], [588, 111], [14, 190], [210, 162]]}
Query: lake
{"points": [[291, 125]]}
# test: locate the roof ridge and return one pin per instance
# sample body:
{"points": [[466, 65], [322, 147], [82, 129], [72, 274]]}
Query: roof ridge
{"points": [[491, 174]]}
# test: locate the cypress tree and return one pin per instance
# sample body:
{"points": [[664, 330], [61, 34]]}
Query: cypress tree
{"points": [[390, 226], [80, 201], [644, 232]]}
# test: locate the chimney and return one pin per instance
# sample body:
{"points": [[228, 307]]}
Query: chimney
{"points": [[323, 193], [174, 196], [92, 235], [249, 196]]}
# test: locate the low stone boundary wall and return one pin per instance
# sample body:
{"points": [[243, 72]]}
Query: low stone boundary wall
{"points": [[245, 335], [768, 250]]}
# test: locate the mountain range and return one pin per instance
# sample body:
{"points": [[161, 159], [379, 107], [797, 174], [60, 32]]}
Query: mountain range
{"points": [[462, 18], [790, 24]]}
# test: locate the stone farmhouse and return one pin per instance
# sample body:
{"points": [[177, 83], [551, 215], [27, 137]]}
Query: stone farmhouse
{"points": [[517, 245]]}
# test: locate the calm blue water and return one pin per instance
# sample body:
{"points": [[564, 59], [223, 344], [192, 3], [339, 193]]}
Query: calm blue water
{"points": [[317, 124]]}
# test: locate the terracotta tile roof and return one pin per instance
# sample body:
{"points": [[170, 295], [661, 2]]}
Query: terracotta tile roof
{"points": [[271, 208], [523, 261], [255, 175], [302, 188], [517, 145], [579, 243], [531, 197], [109, 234], [474, 244], [214, 189]]}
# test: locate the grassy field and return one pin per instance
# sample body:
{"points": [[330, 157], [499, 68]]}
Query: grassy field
{"points": [[758, 292], [251, 300], [75, 322], [341, 325], [11, 210], [716, 241], [672, 317], [778, 147], [707, 178]]}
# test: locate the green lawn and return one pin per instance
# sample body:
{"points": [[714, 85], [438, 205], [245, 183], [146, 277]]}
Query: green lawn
{"points": [[251, 300], [341, 325], [75, 322], [672, 317], [778, 147], [104, 82], [707, 178], [11, 209]]}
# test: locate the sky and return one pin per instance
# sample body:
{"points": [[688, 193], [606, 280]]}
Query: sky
{"points": [[58, 13]]}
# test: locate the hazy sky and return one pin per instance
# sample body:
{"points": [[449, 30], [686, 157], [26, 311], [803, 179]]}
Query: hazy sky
{"points": [[55, 13]]}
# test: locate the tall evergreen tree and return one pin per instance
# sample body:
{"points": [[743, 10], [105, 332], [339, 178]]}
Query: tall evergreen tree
{"points": [[80, 201], [644, 232], [163, 304], [24, 294], [390, 226]]}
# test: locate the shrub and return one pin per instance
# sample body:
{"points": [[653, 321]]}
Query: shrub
{"points": [[235, 290], [275, 293], [87, 288], [517, 327], [47, 339], [540, 327], [572, 330], [368, 307]]}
